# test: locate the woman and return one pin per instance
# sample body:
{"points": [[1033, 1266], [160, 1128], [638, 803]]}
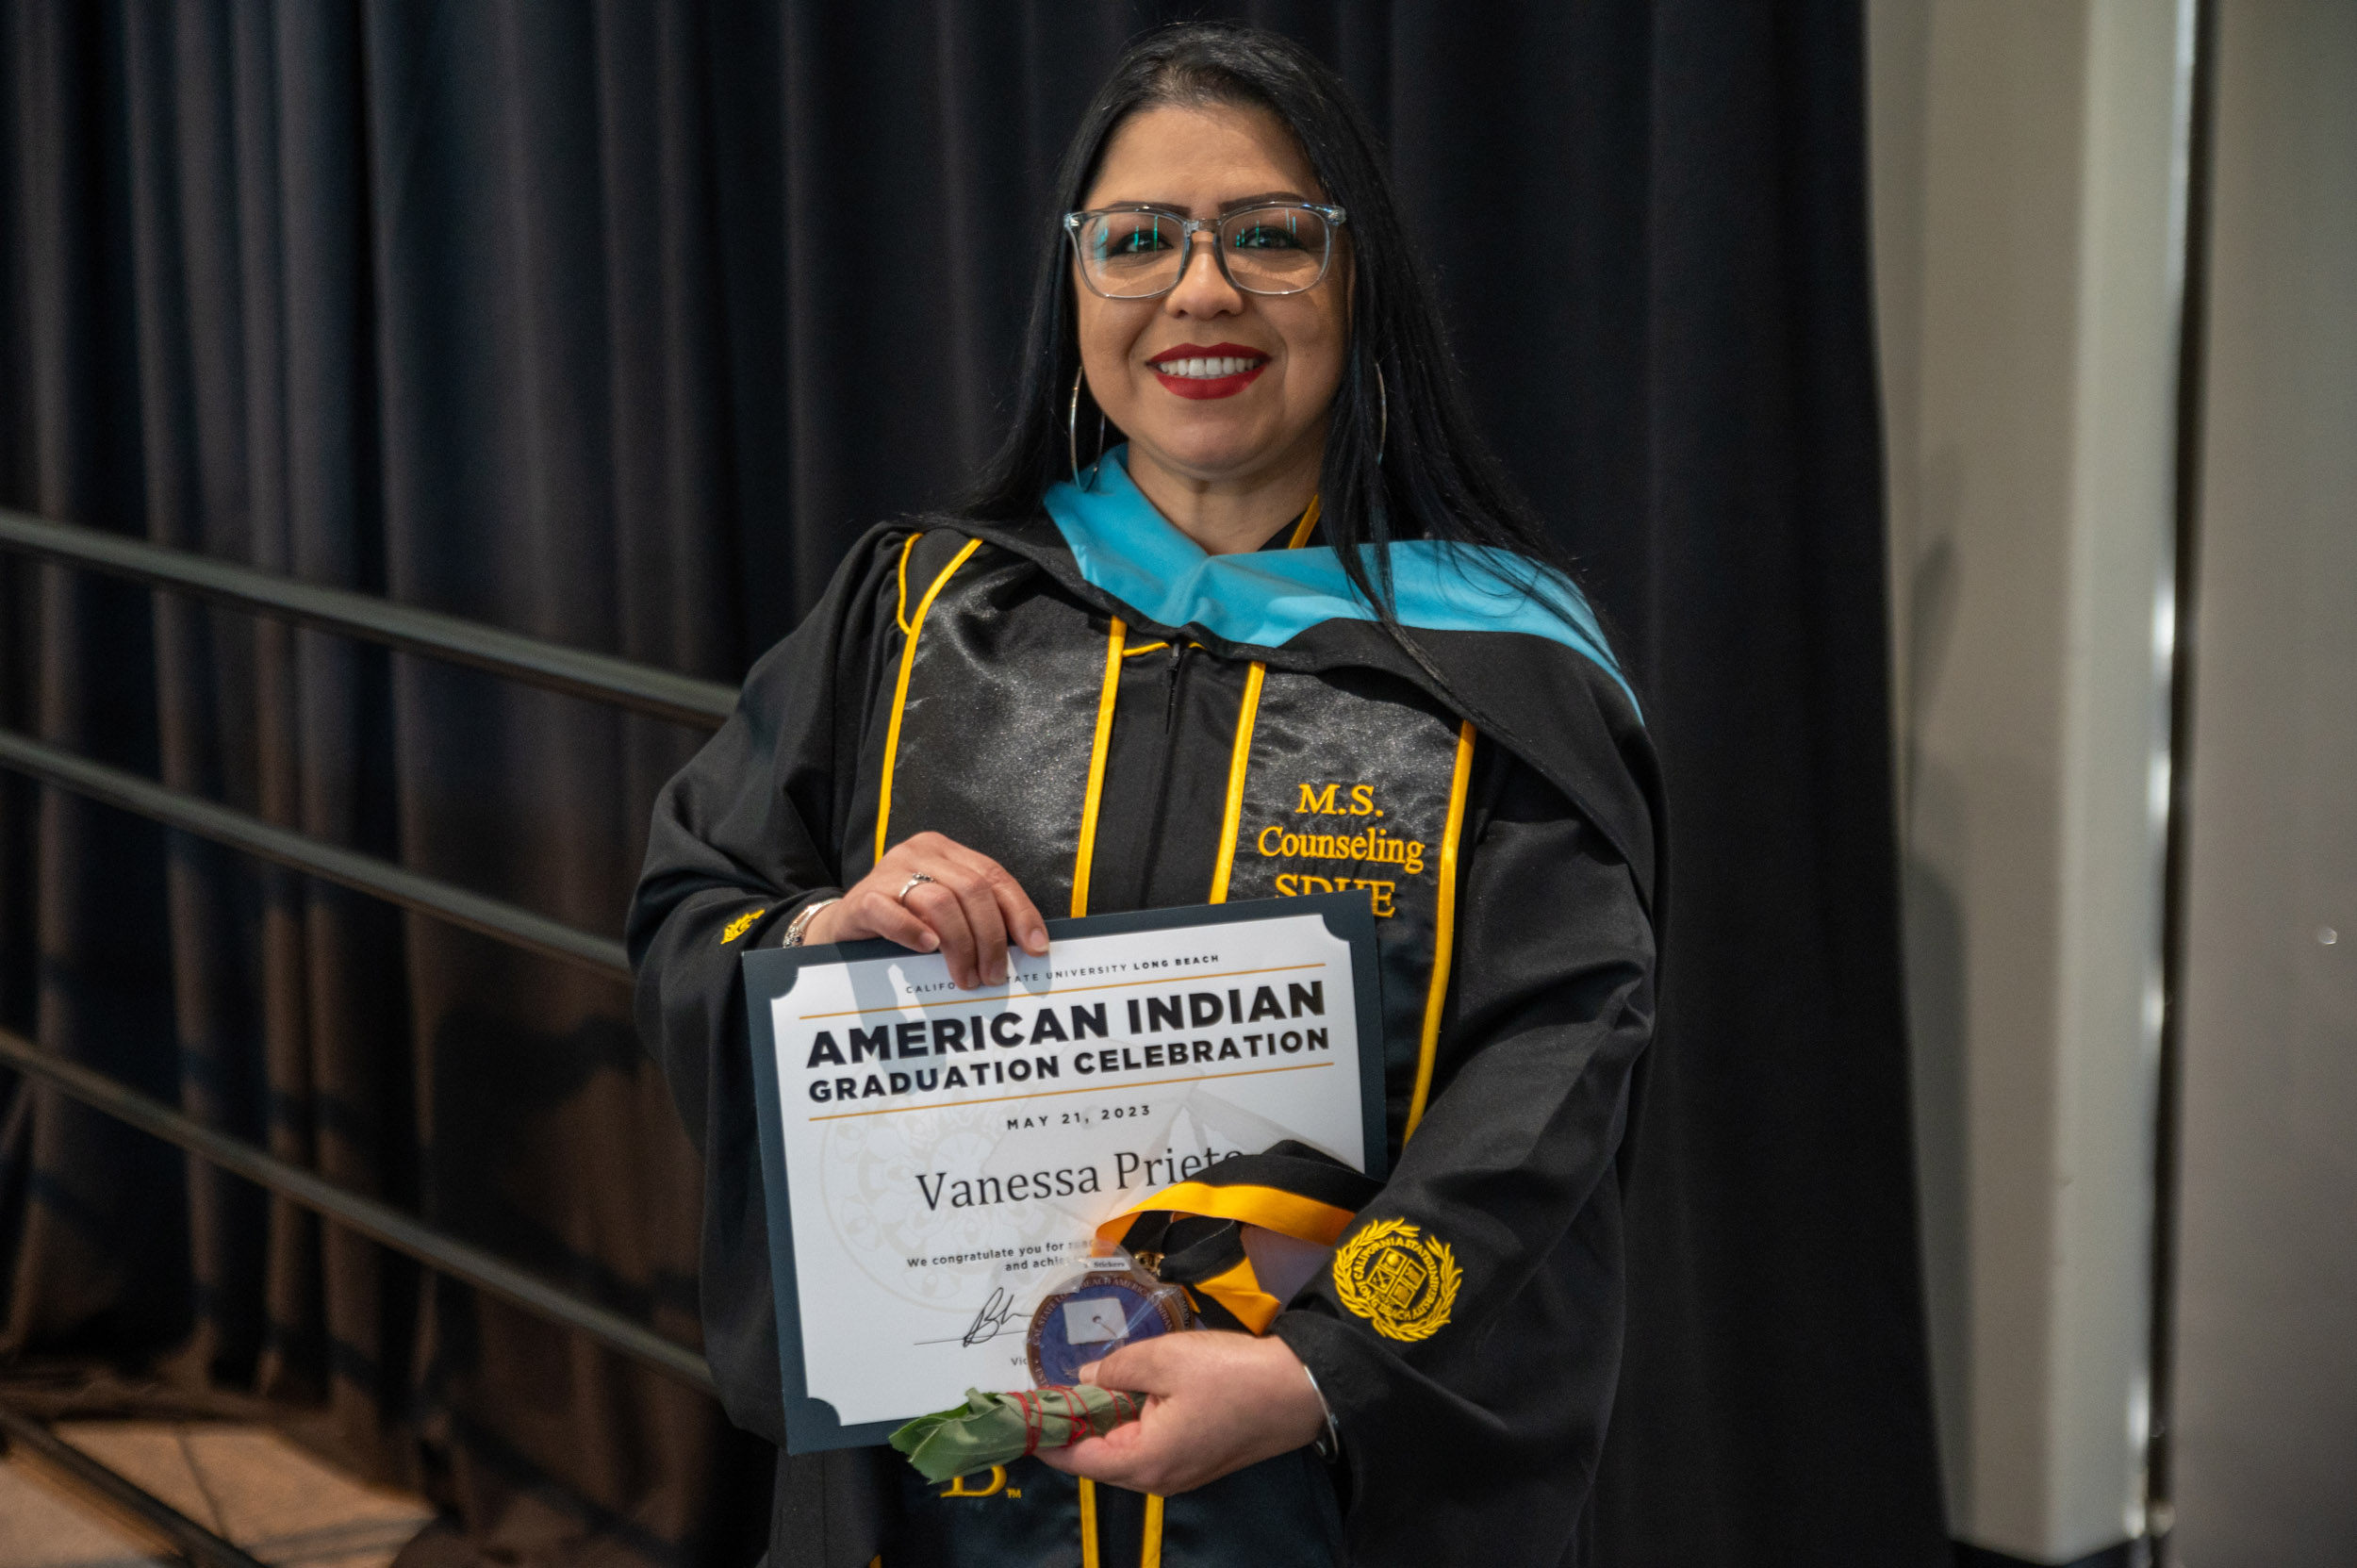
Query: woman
{"points": [[1241, 589]]}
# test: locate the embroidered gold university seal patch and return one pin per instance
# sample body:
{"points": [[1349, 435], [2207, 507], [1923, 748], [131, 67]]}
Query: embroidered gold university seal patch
{"points": [[1399, 1278], [739, 925]]}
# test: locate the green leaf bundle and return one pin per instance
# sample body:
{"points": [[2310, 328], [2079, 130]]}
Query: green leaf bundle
{"points": [[995, 1429]]}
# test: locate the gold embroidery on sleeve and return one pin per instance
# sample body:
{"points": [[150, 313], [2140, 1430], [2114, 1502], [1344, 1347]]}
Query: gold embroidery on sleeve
{"points": [[1399, 1278]]}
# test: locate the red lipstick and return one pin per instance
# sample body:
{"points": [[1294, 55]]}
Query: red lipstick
{"points": [[1192, 357]]}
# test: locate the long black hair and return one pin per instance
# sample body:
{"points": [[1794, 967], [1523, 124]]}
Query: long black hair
{"points": [[1436, 478]]}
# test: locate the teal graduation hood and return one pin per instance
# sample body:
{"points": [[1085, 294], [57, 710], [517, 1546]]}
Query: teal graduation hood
{"points": [[1266, 598]]}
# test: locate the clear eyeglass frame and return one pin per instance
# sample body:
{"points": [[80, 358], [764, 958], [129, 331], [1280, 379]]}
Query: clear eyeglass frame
{"points": [[1074, 222]]}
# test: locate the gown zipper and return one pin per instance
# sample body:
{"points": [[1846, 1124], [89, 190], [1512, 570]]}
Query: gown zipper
{"points": [[1178, 651], [1141, 859]]}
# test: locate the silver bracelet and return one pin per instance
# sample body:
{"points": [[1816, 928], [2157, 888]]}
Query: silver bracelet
{"points": [[800, 926], [1329, 1447]]}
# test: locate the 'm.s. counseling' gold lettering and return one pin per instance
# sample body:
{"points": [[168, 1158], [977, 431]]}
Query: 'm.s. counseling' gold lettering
{"points": [[1364, 847], [1374, 846], [1320, 803]]}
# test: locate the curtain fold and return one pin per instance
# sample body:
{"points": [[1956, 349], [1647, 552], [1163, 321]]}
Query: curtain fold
{"points": [[614, 324]]}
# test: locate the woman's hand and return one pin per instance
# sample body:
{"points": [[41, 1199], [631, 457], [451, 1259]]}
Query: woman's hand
{"points": [[1216, 1402], [968, 910]]}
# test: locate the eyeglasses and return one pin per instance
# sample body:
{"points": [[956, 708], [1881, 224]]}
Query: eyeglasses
{"points": [[1137, 252]]}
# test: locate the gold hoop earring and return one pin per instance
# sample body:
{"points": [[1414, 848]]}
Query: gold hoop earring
{"points": [[1383, 406]]}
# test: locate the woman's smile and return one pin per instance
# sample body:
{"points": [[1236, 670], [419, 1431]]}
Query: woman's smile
{"points": [[1213, 371]]}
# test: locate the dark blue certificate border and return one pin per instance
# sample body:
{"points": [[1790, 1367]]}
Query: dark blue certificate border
{"points": [[771, 972]]}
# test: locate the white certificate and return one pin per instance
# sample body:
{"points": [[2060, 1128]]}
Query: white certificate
{"points": [[935, 1159]]}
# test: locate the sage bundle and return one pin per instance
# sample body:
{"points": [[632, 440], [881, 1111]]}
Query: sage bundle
{"points": [[995, 1429]]}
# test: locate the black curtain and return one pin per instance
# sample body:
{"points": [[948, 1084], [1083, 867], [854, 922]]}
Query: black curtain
{"points": [[616, 322]]}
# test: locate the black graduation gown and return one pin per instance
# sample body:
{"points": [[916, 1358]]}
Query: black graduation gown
{"points": [[1499, 808]]}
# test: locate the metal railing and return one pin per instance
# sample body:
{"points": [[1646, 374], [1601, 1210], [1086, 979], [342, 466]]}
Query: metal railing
{"points": [[596, 677], [374, 1220], [332, 862]]}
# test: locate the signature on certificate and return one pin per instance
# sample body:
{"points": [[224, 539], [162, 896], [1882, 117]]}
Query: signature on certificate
{"points": [[991, 1320]]}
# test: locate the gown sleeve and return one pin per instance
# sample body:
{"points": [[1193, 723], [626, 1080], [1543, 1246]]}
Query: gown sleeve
{"points": [[1476, 1442], [744, 837]]}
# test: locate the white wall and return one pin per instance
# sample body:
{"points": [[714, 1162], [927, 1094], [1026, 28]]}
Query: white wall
{"points": [[2025, 178], [2266, 1341]]}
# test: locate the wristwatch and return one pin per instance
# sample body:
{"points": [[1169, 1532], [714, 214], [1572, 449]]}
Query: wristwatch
{"points": [[800, 926]]}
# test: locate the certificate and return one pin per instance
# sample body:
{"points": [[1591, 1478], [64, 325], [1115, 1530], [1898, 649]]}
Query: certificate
{"points": [[935, 1159]]}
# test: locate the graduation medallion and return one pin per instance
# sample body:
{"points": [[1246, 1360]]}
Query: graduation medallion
{"points": [[1110, 1302]]}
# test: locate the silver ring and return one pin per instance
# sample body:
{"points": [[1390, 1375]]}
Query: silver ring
{"points": [[902, 896]]}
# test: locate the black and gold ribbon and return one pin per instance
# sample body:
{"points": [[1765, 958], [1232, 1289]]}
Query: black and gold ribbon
{"points": [[1195, 1229]]}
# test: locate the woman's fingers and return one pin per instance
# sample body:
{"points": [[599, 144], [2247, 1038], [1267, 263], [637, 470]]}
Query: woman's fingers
{"points": [[945, 914], [979, 906], [995, 908], [967, 907], [887, 916], [1017, 914], [1217, 1402], [982, 885], [1140, 1369]]}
